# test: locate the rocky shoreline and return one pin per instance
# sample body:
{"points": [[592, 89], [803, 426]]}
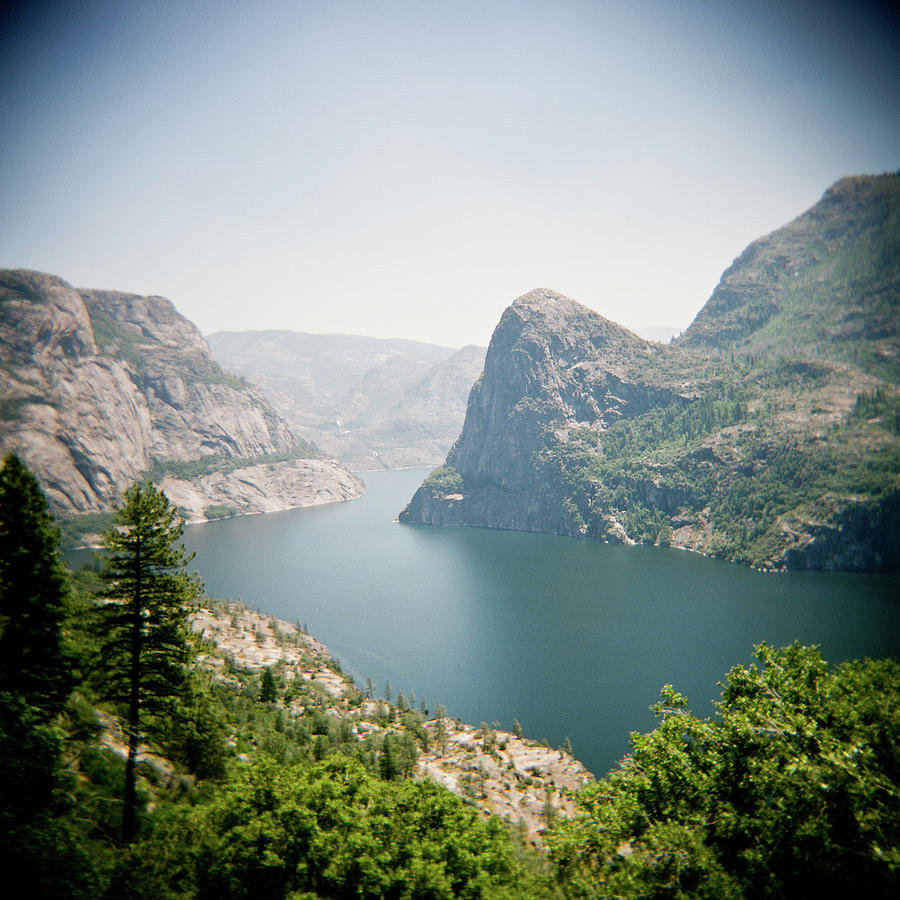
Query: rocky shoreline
{"points": [[525, 782], [263, 488]]}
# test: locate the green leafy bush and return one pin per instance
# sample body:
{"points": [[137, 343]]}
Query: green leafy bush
{"points": [[790, 791], [444, 480]]}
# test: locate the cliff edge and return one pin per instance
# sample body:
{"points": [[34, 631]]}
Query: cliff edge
{"points": [[102, 388], [768, 434]]}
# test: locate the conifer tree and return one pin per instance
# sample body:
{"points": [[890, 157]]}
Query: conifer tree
{"points": [[145, 642], [33, 590], [268, 691], [34, 683]]}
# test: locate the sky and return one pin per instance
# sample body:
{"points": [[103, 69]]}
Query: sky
{"points": [[407, 169]]}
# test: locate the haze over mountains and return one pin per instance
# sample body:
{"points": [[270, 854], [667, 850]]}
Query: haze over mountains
{"points": [[370, 402], [768, 433]]}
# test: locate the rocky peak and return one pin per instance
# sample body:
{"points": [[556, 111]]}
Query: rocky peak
{"points": [[42, 318], [552, 365], [152, 319], [551, 352], [557, 325]]}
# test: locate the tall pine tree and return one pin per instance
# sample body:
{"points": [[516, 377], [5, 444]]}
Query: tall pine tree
{"points": [[34, 674], [145, 643], [33, 590]]}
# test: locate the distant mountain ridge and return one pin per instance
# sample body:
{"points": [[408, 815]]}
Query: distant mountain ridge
{"points": [[373, 403], [102, 388], [768, 433]]}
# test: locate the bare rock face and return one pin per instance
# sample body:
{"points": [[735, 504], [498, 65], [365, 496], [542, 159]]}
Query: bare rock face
{"points": [[268, 487], [101, 387], [552, 365]]}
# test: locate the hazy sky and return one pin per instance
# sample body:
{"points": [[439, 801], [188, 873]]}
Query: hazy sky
{"points": [[406, 169]]}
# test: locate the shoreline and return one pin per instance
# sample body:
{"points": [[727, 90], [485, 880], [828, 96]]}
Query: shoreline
{"points": [[523, 781]]}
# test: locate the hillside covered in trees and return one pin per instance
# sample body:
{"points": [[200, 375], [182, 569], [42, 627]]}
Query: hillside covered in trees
{"points": [[142, 760]]}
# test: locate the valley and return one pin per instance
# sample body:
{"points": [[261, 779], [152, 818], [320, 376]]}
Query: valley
{"points": [[372, 403]]}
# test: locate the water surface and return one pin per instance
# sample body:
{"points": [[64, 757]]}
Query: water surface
{"points": [[572, 638]]}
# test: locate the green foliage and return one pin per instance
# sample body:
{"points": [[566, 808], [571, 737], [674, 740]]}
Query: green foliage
{"points": [[132, 347], [444, 480], [35, 679], [219, 462], [34, 665], [220, 511], [879, 406], [144, 643], [73, 531], [149, 595], [652, 469], [790, 791], [34, 662], [268, 692], [11, 408], [195, 734], [111, 336], [335, 831]]}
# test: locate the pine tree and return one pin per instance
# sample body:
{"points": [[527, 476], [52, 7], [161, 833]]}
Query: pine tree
{"points": [[268, 690], [34, 683], [145, 643], [33, 589], [389, 764]]}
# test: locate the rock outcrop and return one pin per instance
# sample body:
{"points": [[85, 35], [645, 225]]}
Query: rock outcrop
{"points": [[101, 387], [551, 363], [769, 433], [262, 488]]}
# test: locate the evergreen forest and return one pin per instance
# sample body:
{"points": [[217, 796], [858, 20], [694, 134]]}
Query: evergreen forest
{"points": [[137, 765]]}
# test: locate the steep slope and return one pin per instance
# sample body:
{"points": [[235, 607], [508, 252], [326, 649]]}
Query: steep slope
{"points": [[769, 433], [370, 402], [824, 286], [101, 388]]}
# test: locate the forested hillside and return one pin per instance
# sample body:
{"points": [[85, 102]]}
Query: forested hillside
{"points": [[769, 433], [264, 772]]}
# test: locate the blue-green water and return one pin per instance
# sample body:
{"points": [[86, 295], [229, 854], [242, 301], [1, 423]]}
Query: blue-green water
{"points": [[570, 637]]}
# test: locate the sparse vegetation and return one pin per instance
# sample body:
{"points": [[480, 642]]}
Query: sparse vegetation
{"points": [[219, 462], [220, 511]]}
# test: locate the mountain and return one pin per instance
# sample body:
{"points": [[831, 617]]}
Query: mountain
{"points": [[101, 388], [768, 433], [370, 402]]}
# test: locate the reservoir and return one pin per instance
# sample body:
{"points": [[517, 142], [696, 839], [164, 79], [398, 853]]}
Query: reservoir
{"points": [[572, 638]]}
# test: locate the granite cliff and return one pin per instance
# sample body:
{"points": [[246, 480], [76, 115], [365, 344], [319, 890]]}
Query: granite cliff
{"points": [[101, 388], [370, 402], [769, 433]]}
